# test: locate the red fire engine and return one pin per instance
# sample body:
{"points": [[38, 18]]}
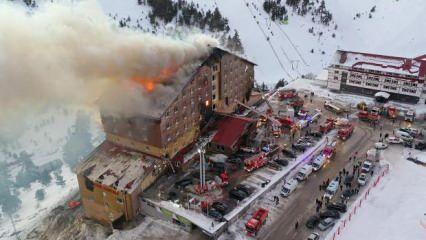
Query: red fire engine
{"points": [[329, 150], [286, 94], [255, 162], [392, 112], [371, 116], [327, 126], [255, 223], [345, 132]]}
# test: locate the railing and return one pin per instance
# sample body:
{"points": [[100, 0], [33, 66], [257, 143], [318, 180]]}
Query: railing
{"points": [[356, 206]]}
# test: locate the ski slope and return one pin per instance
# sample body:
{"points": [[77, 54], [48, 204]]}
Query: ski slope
{"points": [[393, 29]]}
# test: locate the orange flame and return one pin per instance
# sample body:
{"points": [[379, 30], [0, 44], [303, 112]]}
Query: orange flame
{"points": [[149, 83]]}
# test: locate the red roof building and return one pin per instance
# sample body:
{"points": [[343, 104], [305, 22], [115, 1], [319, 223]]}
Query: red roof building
{"points": [[368, 74], [230, 132]]}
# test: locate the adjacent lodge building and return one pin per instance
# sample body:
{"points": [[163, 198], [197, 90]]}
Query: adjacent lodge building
{"points": [[367, 74]]}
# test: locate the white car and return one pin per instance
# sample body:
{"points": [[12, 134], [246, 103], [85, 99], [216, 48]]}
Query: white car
{"points": [[362, 179], [366, 166], [394, 140], [314, 236], [380, 145]]}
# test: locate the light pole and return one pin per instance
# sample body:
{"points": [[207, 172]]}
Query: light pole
{"points": [[202, 151]]}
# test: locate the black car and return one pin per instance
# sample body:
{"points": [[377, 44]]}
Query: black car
{"points": [[315, 134], [183, 183], [244, 189], [237, 194], [299, 147], [420, 145], [312, 222], [282, 162], [346, 194], [220, 207], [289, 153], [408, 143], [216, 215], [329, 214], [341, 207]]}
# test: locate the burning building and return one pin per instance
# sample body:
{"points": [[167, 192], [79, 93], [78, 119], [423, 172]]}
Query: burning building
{"points": [[139, 147], [177, 118]]}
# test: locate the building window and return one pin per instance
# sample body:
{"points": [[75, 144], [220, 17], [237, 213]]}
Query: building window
{"points": [[214, 96], [226, 101], [336, 78], [120, 201], [213, 77], [89, 184]]}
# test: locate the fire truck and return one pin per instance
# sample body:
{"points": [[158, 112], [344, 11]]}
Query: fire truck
{"points": [[345, 132], [392, 112], [327, 126], [371, 116], [286, 94], [329, 150], [255, 223], [255, 162]]}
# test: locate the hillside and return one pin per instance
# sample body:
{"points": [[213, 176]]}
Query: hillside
{"points": [[292, 43]]}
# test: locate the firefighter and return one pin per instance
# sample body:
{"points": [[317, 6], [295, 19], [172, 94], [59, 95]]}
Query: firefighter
{"points": [[296, 225]]}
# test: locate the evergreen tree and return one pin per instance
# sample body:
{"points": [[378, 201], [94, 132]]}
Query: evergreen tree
{"points": [[9, 202], [238, 46], [280, 83]]}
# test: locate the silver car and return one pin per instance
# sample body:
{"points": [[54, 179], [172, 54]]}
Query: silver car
{"points": [[326, 224]]}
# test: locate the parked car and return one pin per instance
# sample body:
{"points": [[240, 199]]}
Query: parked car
{"points": [[312, 222], [237, 194], [315, 134], [220, 207], [341, 207], [282, 162], [380, 145], [330, 214], [313, 236], [216, 215], [366, 166], [183, 183], [420, 145], [289, 153], [346, 194], [394, 140], [326, 224], [362, 179], [299, 147], [244, 189], [275, 166]]}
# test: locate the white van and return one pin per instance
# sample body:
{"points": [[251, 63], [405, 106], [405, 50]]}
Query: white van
{"points": [[318, 162], [304, 172], [289, 187], [403, 135], [331, 189]]}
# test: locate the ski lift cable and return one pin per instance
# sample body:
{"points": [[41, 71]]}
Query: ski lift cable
{"points": [[291, 43], [269, 42]]}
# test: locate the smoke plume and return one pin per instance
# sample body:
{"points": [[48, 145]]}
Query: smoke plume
{"points": [[72, 53]]}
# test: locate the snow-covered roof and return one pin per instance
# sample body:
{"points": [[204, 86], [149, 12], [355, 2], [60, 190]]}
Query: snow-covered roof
{"points": [[116, 167], [415, 67], [382, 94]]}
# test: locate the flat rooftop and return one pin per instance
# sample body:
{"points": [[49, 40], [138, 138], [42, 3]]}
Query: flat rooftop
{"points": [[117, 167]]}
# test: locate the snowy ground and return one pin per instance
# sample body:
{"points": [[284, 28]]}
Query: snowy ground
{"points": [[396, 209], [383, 33], [44, 137]]}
